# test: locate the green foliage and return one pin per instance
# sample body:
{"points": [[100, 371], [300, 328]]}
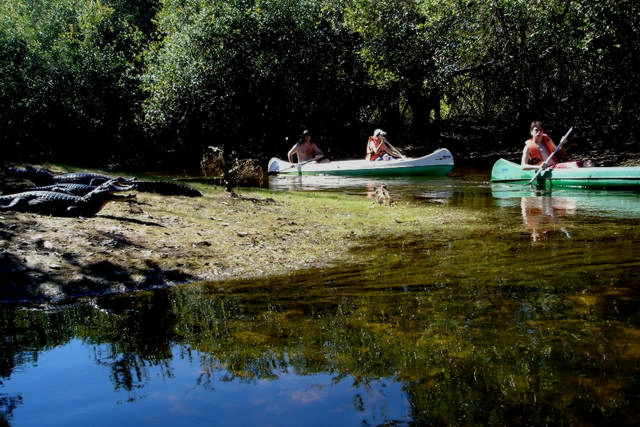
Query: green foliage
{"points": [[68, 77], [399, 51], [553, 60], [250, 73], [178, 75]]}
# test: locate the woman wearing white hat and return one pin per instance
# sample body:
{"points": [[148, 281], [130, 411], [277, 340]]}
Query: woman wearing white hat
{"points": [[378, 148]]}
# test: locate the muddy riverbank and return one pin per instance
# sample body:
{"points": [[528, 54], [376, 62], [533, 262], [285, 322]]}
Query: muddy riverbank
{"points": [[168, 240]]}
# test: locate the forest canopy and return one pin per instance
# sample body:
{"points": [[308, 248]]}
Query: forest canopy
{"points": [[141, 82]]}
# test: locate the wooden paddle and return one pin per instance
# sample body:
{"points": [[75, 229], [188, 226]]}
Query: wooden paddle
{"points": [[542, 166], [394, 149]]}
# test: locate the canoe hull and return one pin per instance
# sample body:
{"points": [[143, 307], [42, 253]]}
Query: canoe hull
{"points": [[438, 163], [593, 177]]}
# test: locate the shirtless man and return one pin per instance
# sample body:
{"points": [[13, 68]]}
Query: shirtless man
{"points": [[305, 149]]}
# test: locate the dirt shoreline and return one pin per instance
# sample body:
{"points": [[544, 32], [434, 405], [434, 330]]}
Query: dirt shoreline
{"points": [[183, 239], [53, 258]]}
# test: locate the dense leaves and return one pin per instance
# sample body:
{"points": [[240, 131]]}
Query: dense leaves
{"points": [[69, 84], [150, 80], [246, 77]]}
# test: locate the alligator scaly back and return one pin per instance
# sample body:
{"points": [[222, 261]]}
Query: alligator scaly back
{"points": [[43, 177], [87, 178], [83, 189], [64, 204], [73, 189]]}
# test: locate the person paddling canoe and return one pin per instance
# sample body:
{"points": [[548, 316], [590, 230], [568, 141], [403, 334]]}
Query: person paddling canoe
{"points": [[378, 148], [537, 149], [305, 150]]}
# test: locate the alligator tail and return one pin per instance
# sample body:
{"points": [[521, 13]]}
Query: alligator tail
{"points": [[167, 188], [36, 175]]}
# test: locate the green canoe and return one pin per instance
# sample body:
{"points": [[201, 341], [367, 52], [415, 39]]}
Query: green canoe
{"points": [[591, 177]]}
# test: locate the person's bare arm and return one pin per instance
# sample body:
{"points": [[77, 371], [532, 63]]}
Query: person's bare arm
{"points": [[294, 150], [524, 163]]}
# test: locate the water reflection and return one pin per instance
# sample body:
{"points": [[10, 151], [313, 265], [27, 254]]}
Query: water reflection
{"points": [[610, 203], [197, 389], [478, 328], [462, 188], [403, 187], [542, 215], [455, 333], [551, 213]]}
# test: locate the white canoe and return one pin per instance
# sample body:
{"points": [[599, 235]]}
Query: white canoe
{"points": [[438, 163]]}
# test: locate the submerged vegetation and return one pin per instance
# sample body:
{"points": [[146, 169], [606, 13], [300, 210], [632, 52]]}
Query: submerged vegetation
{"points": [[155, 82], [473, 346]]}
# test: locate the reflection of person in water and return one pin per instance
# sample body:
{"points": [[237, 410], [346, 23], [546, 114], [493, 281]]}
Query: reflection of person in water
{"points": [[541, 215]]}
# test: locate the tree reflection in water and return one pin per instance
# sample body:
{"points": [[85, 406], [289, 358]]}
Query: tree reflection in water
{"points": [[482, 342]]}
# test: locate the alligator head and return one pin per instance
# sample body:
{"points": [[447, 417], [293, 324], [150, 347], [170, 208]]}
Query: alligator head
{"points": [[96, 199], [116, 185]]}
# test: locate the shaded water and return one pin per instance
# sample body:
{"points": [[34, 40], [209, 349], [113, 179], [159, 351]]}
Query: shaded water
{"points": [[530, 319]]}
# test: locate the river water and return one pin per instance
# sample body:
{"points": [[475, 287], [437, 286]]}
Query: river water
{"points": [[531, 320]]}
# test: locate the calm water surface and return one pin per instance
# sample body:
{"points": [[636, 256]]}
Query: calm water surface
{"points": [[532, 319]]}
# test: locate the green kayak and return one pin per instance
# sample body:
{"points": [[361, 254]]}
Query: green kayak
{"points": [[590, 177]]}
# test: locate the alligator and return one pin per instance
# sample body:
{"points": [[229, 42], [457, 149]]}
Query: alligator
{"points": [[43, 177], [79, 189], [64, 204]]}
